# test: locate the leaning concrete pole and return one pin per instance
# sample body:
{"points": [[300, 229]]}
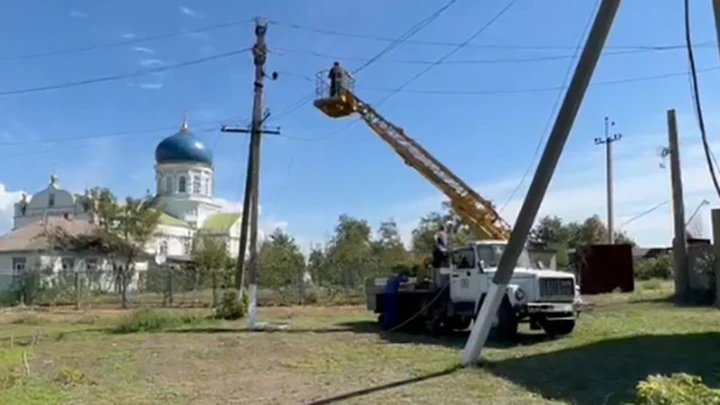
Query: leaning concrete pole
{"points": [[541, 180]]}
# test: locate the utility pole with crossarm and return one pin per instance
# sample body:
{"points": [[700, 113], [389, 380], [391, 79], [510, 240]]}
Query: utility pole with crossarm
{"points": [[252, 181]]}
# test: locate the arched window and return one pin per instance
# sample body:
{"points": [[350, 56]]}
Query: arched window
{"points": [[169, 184], [181, 185], [206, 186]]}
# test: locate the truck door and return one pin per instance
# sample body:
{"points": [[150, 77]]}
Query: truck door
{"points": [[464, 278]]}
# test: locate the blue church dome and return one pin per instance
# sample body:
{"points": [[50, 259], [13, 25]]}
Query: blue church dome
{"points": [[183, 147]]}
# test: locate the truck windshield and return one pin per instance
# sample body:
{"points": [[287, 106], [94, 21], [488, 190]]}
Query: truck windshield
{"points": [[490, 254]]}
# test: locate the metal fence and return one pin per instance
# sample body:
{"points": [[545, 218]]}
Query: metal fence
{"points": [[155, 287]]}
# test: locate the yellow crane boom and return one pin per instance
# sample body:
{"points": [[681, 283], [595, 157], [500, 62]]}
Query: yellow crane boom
{"points": [[477, 212]]}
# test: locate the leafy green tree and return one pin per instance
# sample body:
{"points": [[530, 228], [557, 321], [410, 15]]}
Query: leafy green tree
{"points": [[349, 254], [124, 230], [388, 247], [211, 256], [281, 263]]}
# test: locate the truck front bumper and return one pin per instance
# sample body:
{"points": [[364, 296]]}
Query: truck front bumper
{"points": [[549, 310]]}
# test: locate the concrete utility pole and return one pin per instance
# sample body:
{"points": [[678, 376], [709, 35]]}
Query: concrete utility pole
{"points": [[608, 141], [679, 241], [252, 181], [541, 180]]}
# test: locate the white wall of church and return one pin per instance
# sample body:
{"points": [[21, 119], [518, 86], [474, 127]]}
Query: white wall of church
{"points": [[178, 239]]}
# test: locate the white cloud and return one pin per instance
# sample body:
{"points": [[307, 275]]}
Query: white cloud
{"points": [[150, 62], [151, 86], [189, 12], [7, 210], [230, 206], [77, 14], [128, 35], [143, 49], [578, 188]]}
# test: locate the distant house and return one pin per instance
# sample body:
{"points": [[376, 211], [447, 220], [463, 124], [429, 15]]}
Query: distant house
{"points": [[29, 249]]}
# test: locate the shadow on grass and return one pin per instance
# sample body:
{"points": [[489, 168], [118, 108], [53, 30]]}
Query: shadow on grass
{"points": [[383, 387], [608, 371]]}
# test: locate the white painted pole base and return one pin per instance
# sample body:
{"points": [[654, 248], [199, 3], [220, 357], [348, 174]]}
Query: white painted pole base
{"points": [[482, 325], [252, 307]]}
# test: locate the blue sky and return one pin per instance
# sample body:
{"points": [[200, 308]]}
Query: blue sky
{"points": [[311, 174]]}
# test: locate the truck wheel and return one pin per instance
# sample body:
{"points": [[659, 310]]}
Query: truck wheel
{"points": [[458, 323], [558, 328], [507, 327]]}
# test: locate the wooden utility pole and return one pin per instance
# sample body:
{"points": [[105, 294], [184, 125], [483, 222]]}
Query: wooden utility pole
{"points": [[608, 141], [679, 240], [716, 252], [252, 181]]}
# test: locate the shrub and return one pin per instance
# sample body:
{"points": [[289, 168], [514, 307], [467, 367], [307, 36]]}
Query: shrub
{"points": [[70, 376], [229, 307], [677, 389], [655, 267], [147, 320]]}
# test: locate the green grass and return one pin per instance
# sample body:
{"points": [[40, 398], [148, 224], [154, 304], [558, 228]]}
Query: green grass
{"points": [[338, 355], [152, 320]]}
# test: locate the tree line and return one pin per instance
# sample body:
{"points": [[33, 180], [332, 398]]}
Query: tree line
{"points": [[354, 252]]}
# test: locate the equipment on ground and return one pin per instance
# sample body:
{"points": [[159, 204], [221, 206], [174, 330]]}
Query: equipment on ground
{"points": [[452, 294]]}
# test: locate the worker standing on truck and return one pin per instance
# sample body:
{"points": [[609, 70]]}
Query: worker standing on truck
{"points": [[337, 79], [440, 249], [390, 299]]}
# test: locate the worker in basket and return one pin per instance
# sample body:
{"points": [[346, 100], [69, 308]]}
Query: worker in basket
{"points": [[337, 77], [390, 300]]}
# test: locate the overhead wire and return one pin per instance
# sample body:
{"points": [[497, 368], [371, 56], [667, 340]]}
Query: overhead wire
{"points": [[504, 60], [553, 112], [642, 214], [125, 75], [127, 42], [452, 44], [696, 99], [395, 43]]}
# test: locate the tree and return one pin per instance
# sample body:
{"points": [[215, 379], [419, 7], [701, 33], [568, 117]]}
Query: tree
{"points": [[122, 234], [423, 236], [317, 265], [281, 263], [349, 254], [388, 247], [211, 256]]}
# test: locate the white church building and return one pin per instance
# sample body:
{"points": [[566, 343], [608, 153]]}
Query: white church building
{"points": [[184, 186]]}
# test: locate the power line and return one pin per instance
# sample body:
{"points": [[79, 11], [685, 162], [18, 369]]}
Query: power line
{"points": [[553, 112], [126, 42], [395, 43], [123, 76], [202, 126], [527, 90], [642, 214], [696, 99], [452, 44], [517, 91], [516, 60]]}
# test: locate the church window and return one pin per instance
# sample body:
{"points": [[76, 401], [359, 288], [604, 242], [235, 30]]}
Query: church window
{"points": [[206, 186], [169, 184], [196, 184], [51, 200], [181, 185]]}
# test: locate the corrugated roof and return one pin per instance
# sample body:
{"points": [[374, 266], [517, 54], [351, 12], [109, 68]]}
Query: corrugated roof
{"points": [[221, 222], [30, 236]]}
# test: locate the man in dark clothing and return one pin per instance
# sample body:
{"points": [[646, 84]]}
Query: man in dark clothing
{"points": [[440, 249], [390, 299], [337, 78]]}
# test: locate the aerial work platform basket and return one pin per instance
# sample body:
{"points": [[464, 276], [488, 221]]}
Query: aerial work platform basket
{"points": [[338, 105]]}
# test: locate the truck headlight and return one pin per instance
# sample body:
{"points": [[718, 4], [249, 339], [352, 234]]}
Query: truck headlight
{"points": [[519, 294]]}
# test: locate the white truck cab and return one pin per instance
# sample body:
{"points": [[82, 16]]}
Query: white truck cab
{"points": [[548, 299]]}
